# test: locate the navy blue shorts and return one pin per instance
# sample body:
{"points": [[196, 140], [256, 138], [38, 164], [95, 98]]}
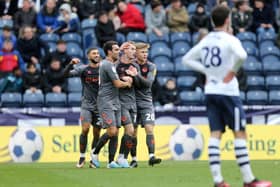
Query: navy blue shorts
{"points": [[225, 111]]}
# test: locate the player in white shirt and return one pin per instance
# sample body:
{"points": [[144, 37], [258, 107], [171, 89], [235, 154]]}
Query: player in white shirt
{"points": [[219, 55]]}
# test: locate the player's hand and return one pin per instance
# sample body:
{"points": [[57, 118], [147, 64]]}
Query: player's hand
{"points": [[75, 61], [132, 71], [127, 79], [229, 77]]}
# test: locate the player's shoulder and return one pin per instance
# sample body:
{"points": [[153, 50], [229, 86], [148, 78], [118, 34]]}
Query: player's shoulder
{"points": [[81, 67], [151, 65]]}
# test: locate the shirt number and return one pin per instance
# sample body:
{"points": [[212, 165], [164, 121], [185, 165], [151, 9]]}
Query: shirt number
{"points": [[214, 55]]}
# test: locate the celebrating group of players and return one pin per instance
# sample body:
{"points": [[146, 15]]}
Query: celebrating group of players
{"points": [[116, 92]]}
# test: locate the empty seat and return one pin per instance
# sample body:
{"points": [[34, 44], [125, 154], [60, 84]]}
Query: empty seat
{"points": [[137, 37], [74, 84], [49, 37], [6, 22], [165, 68], [191, 98], [274, 97], [266, 43], [273, 82], [253, 68], [160, 51], [120, 38], [74, 50], [271, 67], [33, 100], [251, 59], [271, 50], [161, 59], [247, 36], [180, 49], [163, 79], [56, 100], [88, 24], [180, 36], [269, 35], [89, 38], [153, 38], [72, 37], [270, 59], [11, 99], [186, 82], [256, 97], [255, 82], [74, 99], [182, 69]]}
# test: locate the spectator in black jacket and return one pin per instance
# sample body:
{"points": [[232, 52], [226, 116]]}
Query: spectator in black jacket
{"points": [[26, 16], [32, 80], [200, 19], [30, 46], [169, 94], [8, 8], [87, 9], [104, 29], [242, 18], [60, 53], [53, 79]]}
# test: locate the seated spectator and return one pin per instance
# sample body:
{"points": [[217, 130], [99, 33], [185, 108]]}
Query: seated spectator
{"points": [[26, 16], [108, 5], [32, 80], [112, 14], [10, 59], [104, 29], [30, 46], [7, 35], [60, 53], [170, 94], [155, 19], [87, 9], [242, 18], [177, 17], [131, 18], [8, 9], [12, 82], [200, 19], [53, 78], [67, 20], [47, 17], [263, 17]]}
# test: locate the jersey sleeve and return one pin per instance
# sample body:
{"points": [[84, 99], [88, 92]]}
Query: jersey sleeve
{"points": [[240, 54], [140, 81], [111, 71], [77, 71]]}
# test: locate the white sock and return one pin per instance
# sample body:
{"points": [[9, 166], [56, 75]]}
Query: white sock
{"points": [[94, 157], [134, 158], [82, 155], [151, 155], [242, 158], [214, 159]]}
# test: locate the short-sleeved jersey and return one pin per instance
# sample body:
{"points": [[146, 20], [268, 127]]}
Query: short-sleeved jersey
{"points": [[108, 95], [218, 52], [90, 84], [127, 95], [144, 98]]}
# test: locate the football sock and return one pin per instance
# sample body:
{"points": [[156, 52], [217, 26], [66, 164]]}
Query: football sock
{"points": [[242, 158], [134, 147], [128, 145], [150, 141], [121, 151], [113, 145], [214, 159], [83, 144], [101, 142], [151, 155], [94, 142]]}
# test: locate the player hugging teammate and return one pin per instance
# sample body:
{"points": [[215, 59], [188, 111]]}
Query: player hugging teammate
{"points": [[124, 98]]}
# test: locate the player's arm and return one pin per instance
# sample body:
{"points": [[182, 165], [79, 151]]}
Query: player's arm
{"points": [[191, 59], [112, 73], [69, 71], [139, 80]]}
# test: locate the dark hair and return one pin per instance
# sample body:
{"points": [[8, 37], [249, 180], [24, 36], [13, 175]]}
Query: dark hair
{"points": [[108, 46], [7, 28], [29, 65], [91, 49], [239, 3], [219, 15], [60, 41], [101, 13], [155, 3]]}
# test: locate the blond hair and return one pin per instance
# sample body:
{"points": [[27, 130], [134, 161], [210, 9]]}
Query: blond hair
{"points": [[142, 45]]}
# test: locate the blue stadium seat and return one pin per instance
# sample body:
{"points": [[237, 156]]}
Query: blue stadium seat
{"points": [[191, 98], [257, 97], [160, 51], [249, 44], [11, 100], [243, 97], [271, 50], [72, 37], [186, 82], [251, 59], [251, 50], [271, 67], [153, 38], [33, 100], [180, 49], [271, 59], [165, 68], [191, 8], [6, 22], [195, 38], [49, 37], [180, 36], [177, 59], [74, 50], [266, 36], [266, 43], [161, 59], [74, 84], [243, 36], [88, 24], [89, 38], [274, 97], [163, 79], [137, 37], [56, 100], [273, 82], [120, 38], [52, 47], [253, 68], [255, 82], [181, 69], [74, 99]]}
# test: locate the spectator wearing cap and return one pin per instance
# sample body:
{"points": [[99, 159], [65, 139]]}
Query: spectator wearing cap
{"points": [[177, 17], [200, 20], [10, 58], [26, 16], [131, 18], [104, 29], [8, 8], [7, 35], [155, 19], [60, 53], [30, 45]]}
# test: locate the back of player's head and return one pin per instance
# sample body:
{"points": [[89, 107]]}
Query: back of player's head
{"points": [[142, 45], [108, 46], [92, 49], [219, 15]]}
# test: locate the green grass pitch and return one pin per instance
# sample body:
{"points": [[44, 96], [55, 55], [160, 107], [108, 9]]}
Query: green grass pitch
{"points": [[168, 174]]}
